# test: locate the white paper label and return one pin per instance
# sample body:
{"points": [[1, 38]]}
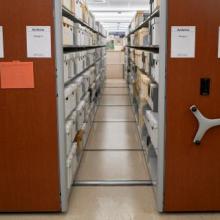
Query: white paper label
{"points": [[219, 43], [183, 41], [1, 43], [38, 41]]}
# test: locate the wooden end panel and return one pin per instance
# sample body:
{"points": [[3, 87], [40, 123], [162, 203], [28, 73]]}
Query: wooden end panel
{"points": [[29, 163], [192, 176]]}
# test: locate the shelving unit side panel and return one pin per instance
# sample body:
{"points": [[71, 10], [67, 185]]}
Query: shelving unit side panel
{"points": [[192, 176], [29, 163]]}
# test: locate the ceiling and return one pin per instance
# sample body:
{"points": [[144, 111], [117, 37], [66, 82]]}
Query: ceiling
{"points": [[116, 15]]}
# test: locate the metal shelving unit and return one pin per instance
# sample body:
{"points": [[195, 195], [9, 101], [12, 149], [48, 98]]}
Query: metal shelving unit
{"points": [[60, 50], [72, 48], [152, 48], [151, 153]]}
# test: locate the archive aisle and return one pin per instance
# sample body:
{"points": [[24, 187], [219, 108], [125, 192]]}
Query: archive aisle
{"points": [[173, 81], [51, 78], [54, 93]]}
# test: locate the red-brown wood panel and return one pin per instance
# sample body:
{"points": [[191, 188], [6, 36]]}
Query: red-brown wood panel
{"points": [[192, 177], [29, 169]]}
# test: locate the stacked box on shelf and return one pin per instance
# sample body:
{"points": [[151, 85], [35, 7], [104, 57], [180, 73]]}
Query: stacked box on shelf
{"points": [[139, 58], [68, 31], [132, 54], [155, 5], [140, 17], [85, 13], [69, 66], [67, 4], [90, 57], [78, 34], [146, 62], [78, 62], [84, 36], [132, 25], [151, 121], [143, 37], [86, 82], [155, 66], [153, 96], [140, 93], [79, 9], [73, 119], [98, 67], [97, 26], [72, 165], [155, 24], [91, 20], [70, 99], [87, 106], [132, 39], [92, 84], [80, 114], [80, 89]]}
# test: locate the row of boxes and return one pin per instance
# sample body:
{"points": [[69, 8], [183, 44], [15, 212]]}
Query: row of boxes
{"points": [[155, 25], [80, 10], [74, 34], [79, 113], [151, 121], [155, 66], [71, 165], [155, 5], [77, 144], [75, 92], [100, 28], [138, 19], [147, 61], [77, 140], [79, 106], [143, 36], [145, 88], [76, 62]]}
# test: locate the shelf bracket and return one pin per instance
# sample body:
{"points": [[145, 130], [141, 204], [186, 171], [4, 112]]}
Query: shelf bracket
{"points": [[205, 124]]}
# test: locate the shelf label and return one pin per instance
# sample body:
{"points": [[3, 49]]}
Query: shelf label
{"points": [[219, 42], [183, 41], [38, 41], [1, 43]]}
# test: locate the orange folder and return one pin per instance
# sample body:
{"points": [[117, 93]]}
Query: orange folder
{"points": [[16, 75]]}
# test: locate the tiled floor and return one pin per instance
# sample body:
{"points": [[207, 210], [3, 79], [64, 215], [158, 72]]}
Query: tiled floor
{"points": [[113, 165], [114, 114], [115, 132], [115, 91], [125, 136], [115, 100], [118, 83]]}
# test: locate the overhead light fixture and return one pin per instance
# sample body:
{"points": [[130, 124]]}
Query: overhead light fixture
{"points": [[99, 1]]}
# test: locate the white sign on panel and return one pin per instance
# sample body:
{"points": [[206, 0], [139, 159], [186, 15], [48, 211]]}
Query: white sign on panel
{"points": [[183, 41], [38, 41]]}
